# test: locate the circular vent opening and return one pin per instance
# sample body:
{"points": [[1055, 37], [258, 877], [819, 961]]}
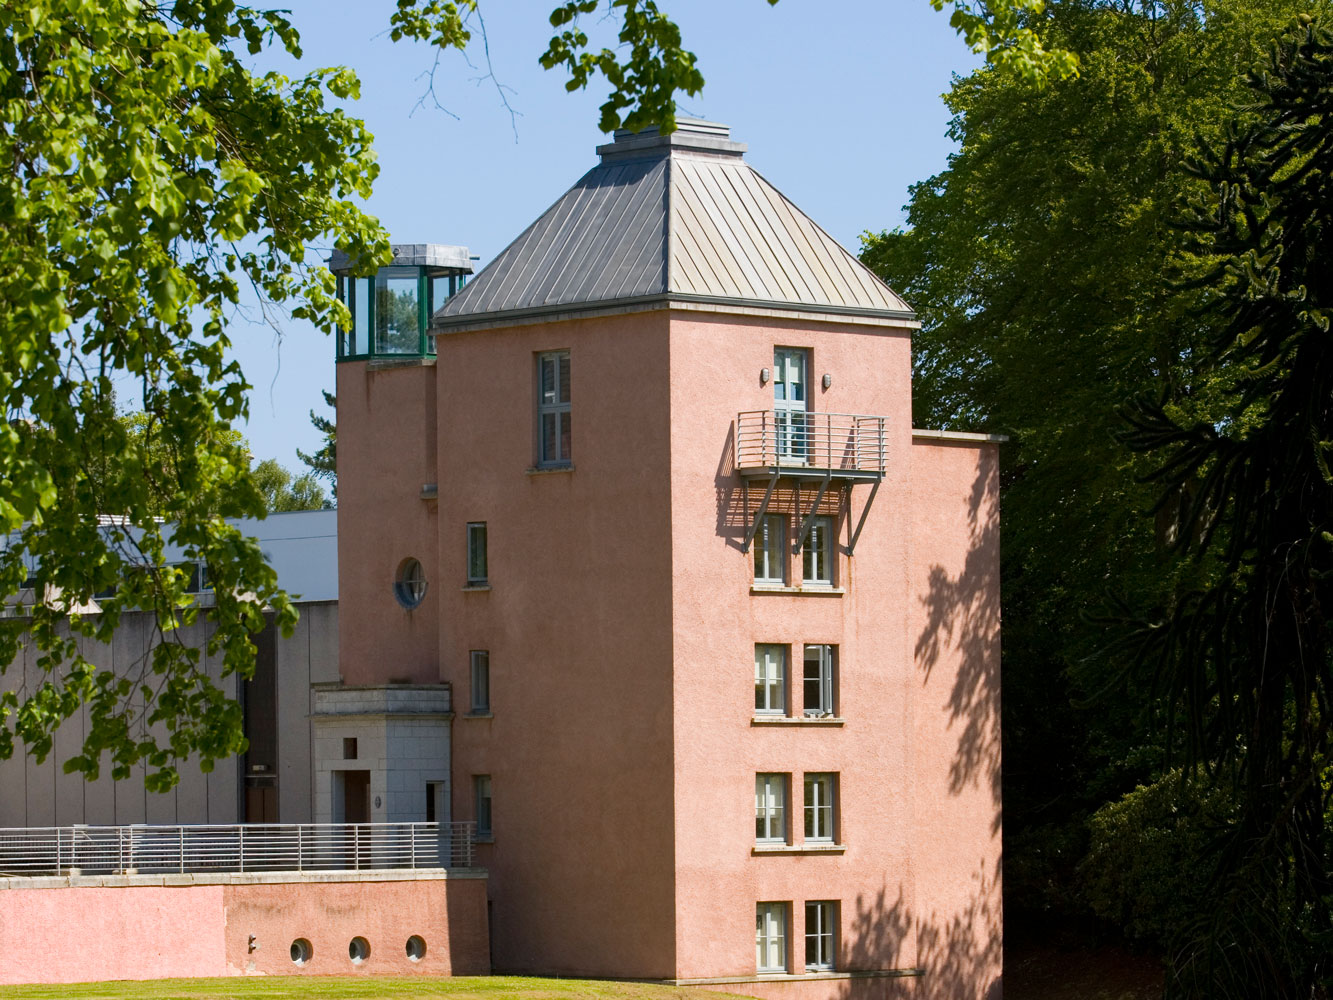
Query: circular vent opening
{"points": [[416, 947], [302, 952], [409, 585], [358, 950]]}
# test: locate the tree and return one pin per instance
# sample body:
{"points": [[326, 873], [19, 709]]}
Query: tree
{"points": [[324, 463], [1044, 263], [284, 492], [1246, 651], [148, 175]]}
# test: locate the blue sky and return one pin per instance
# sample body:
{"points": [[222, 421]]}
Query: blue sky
{"points": [[838, 100]]}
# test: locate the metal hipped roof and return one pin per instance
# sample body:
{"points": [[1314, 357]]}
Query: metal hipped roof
{"points": [[670, 218]]}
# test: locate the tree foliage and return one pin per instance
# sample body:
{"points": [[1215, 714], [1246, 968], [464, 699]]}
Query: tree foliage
{"points": [[1047, 267], [283, 491], [1246, 653], [324, 462]]}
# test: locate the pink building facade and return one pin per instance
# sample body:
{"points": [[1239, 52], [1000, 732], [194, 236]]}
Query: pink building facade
{"points": [[721, 629]]}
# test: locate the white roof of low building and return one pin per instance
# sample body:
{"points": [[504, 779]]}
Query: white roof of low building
{"points": [[676, 218]]}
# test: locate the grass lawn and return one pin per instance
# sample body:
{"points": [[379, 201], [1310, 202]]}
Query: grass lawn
{"points": [[356, 988]]}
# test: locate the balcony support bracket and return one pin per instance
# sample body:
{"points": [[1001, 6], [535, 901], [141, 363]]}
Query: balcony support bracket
{"points": [[804, 533], [759, 514], [861, 523]]}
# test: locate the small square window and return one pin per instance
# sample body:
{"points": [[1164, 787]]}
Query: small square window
{"points": [[770, 808], [817, 554], [476, 554], [770, 679], [820, 790], [481, 680], [554, 430], [481, 796], [770, 562], [770, 937], [349, 748], [821, 923], [817, 683]]}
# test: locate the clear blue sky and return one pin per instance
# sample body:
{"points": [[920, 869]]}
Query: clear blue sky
{"points": [[839, 101]]}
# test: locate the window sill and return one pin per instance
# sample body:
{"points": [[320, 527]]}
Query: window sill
{"points": [[484, 838], [479, 715], [798, 849], [475, 588], [797, 720], [547, 470], [812, 589]]}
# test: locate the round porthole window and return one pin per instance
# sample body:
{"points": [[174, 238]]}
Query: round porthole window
{"points": [[358, 950], [410, 584], [416, 947], [302, 952]]}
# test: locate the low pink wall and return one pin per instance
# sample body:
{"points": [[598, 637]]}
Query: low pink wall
{"points": [[152, 932]]}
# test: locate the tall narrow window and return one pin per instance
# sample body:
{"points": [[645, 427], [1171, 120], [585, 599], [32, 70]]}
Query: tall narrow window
{"points": [[770, 561], [817, 554], [770, 808], [770, 937], [553, 415], [476, 554], [770, 679], [819, 792], [821, 920], [481, 681], [817, 682], [481, 793]]}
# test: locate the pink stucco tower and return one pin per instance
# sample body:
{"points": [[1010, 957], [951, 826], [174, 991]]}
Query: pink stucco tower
{"points": [[721, 629]]}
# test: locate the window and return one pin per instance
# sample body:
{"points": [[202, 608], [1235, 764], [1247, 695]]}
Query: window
{"points": [[819, 792], [409, 586], [481, 680], [818, 552], [349, 748], [435, 792], [476, 554], [820, 920], [818, 680], [481, 795], [770, 937], [770, 808], [553, 426], [770, 679], [770, 562]]}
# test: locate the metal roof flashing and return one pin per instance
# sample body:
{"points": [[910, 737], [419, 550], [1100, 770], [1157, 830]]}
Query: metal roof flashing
{"points": [[691, 135], [433, 256]]}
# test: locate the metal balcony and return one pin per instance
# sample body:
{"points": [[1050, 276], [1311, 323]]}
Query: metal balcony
{"points": [[822, 448], [810, 445], [242, 847]]}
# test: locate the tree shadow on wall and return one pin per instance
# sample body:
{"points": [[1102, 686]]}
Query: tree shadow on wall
{"points": [[963, 614], [958, 957]]}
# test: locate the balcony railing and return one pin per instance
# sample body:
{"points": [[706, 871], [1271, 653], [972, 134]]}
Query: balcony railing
{"points": [[248, 847], [841, 444]]}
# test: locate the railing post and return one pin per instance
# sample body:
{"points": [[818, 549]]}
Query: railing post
{"points": [[59, 867], [413, 849], [180, 860], [240, 848], [300, 849]]}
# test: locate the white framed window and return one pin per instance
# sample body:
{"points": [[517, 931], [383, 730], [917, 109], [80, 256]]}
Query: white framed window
{"points": [[770, 808], [481, 800], [770, 937], [476, 554], [554, 434], [817, 680], [770, 562], [820, 790], [770, 679], [817, 555], [481, 680], [821, 922]]}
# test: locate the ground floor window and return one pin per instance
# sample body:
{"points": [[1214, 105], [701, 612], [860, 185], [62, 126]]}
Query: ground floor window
{"points": [[821, 920], [770, 937]]}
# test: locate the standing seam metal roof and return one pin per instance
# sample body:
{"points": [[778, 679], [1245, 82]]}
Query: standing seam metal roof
{"points": [[680, 215]]}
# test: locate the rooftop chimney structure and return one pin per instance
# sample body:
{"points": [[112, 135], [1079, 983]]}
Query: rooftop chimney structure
{"points": [[709, 633]]}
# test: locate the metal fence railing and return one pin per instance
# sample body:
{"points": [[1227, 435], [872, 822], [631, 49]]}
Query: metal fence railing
{"points": [[802, 439], [244, 847]]}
